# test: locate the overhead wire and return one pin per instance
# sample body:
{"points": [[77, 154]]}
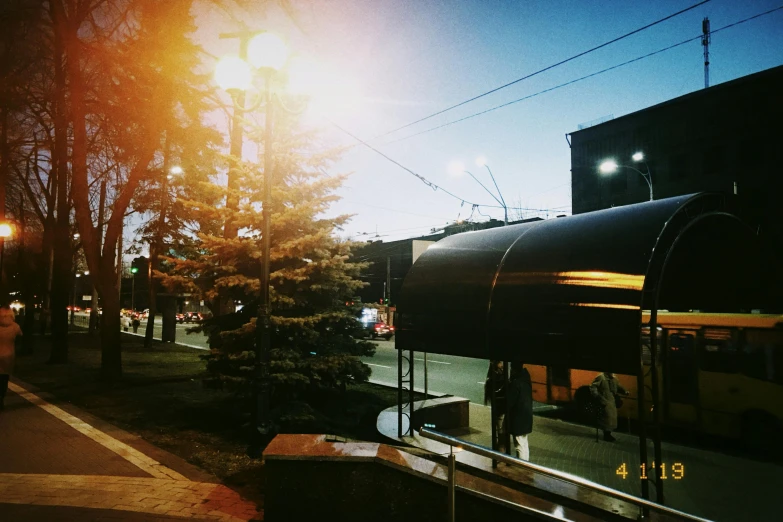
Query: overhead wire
{"points": [[421, 178], [491, 109], [574, 57]]}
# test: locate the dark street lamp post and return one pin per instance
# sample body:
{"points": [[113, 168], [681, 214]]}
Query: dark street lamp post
{"points": [[133, 288], [267, 54]]}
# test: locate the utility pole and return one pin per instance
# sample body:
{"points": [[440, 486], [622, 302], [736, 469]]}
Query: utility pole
{"points": [[705, 41]]}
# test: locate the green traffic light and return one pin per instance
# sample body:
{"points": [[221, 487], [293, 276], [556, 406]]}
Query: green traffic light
{"points": [[134, 270]]}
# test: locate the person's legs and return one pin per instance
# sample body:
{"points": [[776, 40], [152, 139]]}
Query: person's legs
{"points": [[522, 446], [3, 388], [500, 430]]}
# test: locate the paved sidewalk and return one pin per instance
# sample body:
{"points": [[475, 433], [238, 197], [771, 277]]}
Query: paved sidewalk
{"points": [[711, 485], [66, 465]]}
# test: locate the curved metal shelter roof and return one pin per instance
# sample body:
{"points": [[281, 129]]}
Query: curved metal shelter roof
{"points": [[570, 291]]}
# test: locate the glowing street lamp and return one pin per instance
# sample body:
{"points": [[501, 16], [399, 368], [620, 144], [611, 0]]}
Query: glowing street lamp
{"points": [[6, 231], [610, 166], [266, 54]]}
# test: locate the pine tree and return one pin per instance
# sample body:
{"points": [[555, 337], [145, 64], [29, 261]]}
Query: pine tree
{"points": [[313, 280]]}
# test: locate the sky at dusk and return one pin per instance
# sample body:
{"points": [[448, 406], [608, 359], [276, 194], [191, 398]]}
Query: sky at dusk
{"points": [[407, 59]]}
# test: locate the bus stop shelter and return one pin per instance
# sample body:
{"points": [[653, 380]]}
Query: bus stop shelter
{"points": [[570, 291]]}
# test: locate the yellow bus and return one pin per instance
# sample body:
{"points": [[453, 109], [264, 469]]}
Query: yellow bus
{"points": [[720, 374]]}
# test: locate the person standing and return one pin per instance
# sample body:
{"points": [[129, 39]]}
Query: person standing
{"points": [[520, 409], [605, 388], [495, 383], [9, 331]]}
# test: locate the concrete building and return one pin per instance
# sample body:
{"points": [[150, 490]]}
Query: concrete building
{"points": [[725, 138]]}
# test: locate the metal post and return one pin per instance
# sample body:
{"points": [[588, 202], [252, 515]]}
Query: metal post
{"points": [[426, 388], [642, 416], [506, 432], [388, 289], [452, 482], [399, 393], [133, 292], [705, 41], [655, 401], [263, 326]]}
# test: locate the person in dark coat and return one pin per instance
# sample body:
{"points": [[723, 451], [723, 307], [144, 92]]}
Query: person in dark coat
{"points": [[520, 409], [495, 382], [605, 388]]}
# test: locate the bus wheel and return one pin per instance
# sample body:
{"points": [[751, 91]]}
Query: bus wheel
{"points": [[761, 432]]}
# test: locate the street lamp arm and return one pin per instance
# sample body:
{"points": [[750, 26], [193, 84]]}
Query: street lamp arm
{"points": [[502, 201], [485, 188], [647, 176]]}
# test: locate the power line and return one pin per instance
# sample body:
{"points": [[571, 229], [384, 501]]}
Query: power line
{"points": [[496, 89], [421, 178], [424, 180], [579, 79]]}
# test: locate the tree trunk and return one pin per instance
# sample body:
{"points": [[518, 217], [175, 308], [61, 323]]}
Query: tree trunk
{"points": [[62, 241], [111, 352]]}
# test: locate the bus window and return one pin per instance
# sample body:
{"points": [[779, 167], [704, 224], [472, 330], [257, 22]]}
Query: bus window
{"points": [[682, 379], [719, 352], [758, 362]]}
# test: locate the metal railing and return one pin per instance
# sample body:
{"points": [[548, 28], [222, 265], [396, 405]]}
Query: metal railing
{"points": [[453, 442]]}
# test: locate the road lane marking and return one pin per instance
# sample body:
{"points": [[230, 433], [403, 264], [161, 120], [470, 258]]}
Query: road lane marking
{"points": [[378, 365], [132, 455], [436, 362]]}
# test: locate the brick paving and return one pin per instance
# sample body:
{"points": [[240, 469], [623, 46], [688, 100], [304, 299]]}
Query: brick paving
{"points": [[54, 466]]}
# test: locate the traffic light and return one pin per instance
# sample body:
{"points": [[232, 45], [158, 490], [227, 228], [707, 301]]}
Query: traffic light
{"points": [[134, 270]]}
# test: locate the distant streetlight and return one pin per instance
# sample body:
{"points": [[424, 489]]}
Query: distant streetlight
{"points": [[457, 167], [6, 231], [611, 166], [133, 287]]}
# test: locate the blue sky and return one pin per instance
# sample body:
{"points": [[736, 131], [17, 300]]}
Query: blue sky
{"points": [[412, 58]]}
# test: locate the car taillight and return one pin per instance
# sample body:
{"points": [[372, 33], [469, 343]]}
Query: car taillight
{"points": [[391, 328]]}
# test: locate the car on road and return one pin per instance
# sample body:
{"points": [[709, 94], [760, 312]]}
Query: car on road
{"points": [[374, 329], [190, 317]]}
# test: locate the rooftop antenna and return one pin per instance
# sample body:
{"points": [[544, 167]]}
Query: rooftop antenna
{"points": [[705, 41]]}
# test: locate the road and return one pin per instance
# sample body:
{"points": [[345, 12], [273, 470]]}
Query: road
{"points": [[450, 375], [447, 374], [194, 340]]}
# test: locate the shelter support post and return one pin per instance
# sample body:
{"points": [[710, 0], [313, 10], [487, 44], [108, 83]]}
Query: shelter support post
{"points": [[452, 483], [642, 428], [492, 413], [507, 420], [656, 397], [404, 383]]}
